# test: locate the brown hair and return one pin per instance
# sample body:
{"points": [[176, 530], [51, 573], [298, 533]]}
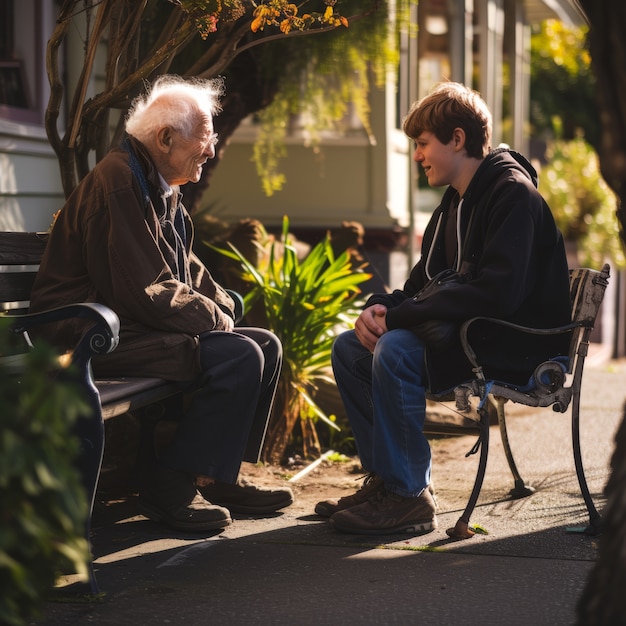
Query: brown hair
{"points": [[452, 105]]}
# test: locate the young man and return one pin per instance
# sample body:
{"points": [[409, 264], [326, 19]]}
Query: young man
{"points": [[124, 239], [494, 228]]}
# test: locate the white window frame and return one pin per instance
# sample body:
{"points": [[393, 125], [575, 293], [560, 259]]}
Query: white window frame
{"points": [[26, 60]]}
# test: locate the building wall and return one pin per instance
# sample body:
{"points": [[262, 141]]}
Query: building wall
{"points": [[342, 179], [30, 188], [321, 188]]}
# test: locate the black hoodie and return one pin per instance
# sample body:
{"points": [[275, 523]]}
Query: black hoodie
{"points": [[514, 259]]}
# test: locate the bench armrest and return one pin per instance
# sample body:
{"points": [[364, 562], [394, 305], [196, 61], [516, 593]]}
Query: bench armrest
{"points": [[471, 353], [100, 337]]}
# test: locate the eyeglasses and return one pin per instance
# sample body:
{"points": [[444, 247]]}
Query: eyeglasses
{"points": [[212, 140]]}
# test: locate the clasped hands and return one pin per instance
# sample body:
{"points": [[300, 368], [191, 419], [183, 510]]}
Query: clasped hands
{"points": [[371, 325]]}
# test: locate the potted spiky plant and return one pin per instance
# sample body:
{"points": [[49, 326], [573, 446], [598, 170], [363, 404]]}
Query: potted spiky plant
{"points": [[305, 303]]}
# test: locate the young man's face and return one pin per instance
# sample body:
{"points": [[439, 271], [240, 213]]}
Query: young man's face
{"points": [[187, 156], [439, 161]]}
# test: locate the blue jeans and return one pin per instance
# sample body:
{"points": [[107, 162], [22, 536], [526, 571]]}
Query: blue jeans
{"points": [[385, 398]]}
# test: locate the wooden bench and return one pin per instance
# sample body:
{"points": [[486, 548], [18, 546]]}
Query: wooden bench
{"points": [[20, 255]]}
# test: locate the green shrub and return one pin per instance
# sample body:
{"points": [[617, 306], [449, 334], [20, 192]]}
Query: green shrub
{"points": [[583, 205], [43, 504]]}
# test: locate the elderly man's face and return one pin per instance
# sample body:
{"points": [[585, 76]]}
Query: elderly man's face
{"points": [[187, 156]]}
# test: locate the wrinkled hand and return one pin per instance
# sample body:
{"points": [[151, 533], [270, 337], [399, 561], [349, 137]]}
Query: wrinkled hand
{"points": [[370, 325], [229, 323]]}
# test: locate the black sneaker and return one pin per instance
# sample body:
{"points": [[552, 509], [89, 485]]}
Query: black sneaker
{"points": [[370, 486], [388, 513], [243, 497]]}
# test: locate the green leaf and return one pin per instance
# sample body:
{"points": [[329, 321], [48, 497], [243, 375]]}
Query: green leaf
{"points": [[306, 303], [44, 506]]}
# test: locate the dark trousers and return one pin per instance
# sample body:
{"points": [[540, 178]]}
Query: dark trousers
{"points": [[229, 405]]}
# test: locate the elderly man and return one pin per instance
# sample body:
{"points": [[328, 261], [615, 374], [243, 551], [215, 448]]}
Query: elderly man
{"points": [[124, 239]]}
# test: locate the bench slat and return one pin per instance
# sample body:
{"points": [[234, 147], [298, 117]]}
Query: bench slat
{"points": [[120, 395], [16, 287], [22, 248]]}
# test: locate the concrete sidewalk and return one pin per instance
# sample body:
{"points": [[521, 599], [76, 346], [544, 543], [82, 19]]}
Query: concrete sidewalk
{"points": [[293, 569]]}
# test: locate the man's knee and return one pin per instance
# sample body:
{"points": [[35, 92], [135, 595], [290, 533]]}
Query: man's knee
{"points": [[399, 344], [237, 351], [344, 342]]}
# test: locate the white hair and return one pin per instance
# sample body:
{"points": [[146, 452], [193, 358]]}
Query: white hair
{"points": [[175, 102]]}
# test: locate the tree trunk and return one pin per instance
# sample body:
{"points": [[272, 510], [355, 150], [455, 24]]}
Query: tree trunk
{"points": [[608, 58], [603, 601]]}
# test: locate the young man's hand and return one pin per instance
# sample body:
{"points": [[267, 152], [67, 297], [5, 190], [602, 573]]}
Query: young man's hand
{"points": [[370, 325]]}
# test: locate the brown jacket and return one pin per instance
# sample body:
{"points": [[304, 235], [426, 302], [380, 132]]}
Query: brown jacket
{"points": [[113, 244]]}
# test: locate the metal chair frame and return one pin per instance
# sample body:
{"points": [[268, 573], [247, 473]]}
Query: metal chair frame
{"points": [[553, 387]]}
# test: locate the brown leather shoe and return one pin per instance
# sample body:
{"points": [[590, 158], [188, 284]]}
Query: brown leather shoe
{"points": [[244, 497], [370, 486], [172, 498], [195, 516], [388, 513]]}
